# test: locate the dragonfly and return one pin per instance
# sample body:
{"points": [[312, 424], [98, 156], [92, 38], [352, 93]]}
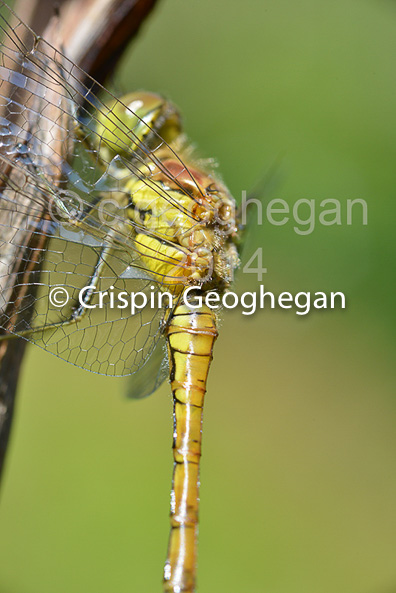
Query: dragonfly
{"points": [[113, 203]]}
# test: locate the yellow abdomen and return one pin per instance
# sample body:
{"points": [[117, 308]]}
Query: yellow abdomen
{"points": [[190, 337]]}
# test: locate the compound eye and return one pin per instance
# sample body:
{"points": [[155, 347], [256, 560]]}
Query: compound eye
{"points": [[155, 119], [140, 120]]}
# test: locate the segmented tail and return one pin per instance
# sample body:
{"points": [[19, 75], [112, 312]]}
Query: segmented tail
{"points": [[190, 337]]}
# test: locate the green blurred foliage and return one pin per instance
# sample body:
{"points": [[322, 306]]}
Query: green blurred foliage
{"points": [[298, 481]]}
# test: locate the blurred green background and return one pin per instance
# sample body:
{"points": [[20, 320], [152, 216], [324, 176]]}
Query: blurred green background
{"points": [[298, 473]]}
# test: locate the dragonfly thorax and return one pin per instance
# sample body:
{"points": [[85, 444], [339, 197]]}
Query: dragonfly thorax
{"points": [[189, 224], [182, 217]]}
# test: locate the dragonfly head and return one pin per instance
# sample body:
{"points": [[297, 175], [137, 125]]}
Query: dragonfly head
{"points": [[139, 121]]}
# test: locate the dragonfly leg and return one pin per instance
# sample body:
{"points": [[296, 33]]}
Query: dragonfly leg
{"points": [[81, 310]]}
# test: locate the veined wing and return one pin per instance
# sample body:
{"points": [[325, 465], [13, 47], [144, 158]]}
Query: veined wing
{"points": [[151, 375], [54, 184]]}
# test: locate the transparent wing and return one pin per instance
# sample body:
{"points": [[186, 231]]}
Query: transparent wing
{"points": [[110, 338], [63, 198], [150, 376]]}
